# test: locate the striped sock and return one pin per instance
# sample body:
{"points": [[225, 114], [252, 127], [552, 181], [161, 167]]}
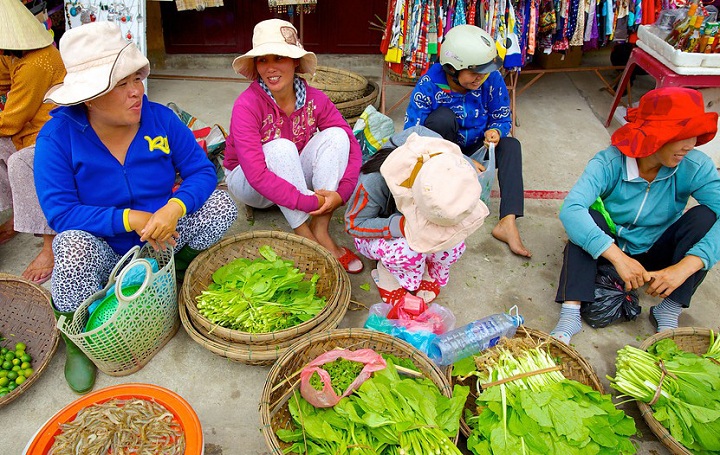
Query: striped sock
{"points": [[569, 323], [666, 314]]}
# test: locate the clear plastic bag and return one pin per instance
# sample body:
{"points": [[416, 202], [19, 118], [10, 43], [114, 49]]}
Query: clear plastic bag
{"points": [[487, 177], [612, 302], [327, 397], [419, 332]]}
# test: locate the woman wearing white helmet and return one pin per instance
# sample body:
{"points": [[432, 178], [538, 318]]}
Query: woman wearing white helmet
{"points": [[464, 99]]}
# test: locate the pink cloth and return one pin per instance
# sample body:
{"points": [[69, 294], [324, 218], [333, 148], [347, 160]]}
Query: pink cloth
{"points": [[257, 119]]}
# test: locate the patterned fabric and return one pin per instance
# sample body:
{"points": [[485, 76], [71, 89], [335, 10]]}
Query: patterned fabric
{"points": [[199, 5], [83, 262], [665, 115], [298, 86], [30, 77], [26, 207], [406, 265]]}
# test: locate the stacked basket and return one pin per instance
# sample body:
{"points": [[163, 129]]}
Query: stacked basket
{"points": [[350, 92], [574, 366], [263, 348], [283, 378]]}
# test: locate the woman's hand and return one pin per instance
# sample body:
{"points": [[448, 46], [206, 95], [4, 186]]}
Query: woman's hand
{"points": [[160, 229], [492, 136], [328, 202], [665, 281], [478, 167], [631, 271]]}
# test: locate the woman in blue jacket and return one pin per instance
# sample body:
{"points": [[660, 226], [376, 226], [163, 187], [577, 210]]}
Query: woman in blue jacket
{"points": [[644, 181], [464, 99], [105, 167]]}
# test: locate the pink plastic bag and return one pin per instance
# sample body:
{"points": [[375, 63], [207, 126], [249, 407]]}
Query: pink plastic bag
{"points": [[327, 397]]}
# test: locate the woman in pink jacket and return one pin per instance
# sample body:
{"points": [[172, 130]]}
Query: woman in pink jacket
{"points": [[288, 143]]}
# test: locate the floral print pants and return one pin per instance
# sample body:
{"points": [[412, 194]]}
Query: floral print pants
{"points": [[408, 266]]}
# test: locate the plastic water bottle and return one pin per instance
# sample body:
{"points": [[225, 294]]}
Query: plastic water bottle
{"points": [[474, 337]]}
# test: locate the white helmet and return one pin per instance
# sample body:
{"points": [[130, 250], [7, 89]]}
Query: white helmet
{"points": [[469, 47]]}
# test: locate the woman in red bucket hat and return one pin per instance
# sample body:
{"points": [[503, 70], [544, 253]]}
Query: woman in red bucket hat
{"points": [[628, 209]]}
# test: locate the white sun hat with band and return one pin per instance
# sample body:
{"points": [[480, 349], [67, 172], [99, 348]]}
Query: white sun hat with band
{"points": [[96, 58], [19, 29], [275, 37]]}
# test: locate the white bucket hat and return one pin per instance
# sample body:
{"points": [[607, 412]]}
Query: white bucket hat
{"points": [[437, 190], [19, 29], [274, 37], [96, 58]]}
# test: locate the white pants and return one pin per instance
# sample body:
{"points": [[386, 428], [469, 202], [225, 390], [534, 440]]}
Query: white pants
{"points": [[321, 165]]}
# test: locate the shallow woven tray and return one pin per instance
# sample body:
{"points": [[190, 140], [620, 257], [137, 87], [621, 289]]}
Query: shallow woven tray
{"points": [[282, 378], [690, 339], [26, 315], [259, 354], [339, 85], [351, 110], [308, 256], [574, 366]]}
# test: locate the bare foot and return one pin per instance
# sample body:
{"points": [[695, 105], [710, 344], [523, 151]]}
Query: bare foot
{"points": [[7, 231], [506, 231], [429, 290], [41, 267]]}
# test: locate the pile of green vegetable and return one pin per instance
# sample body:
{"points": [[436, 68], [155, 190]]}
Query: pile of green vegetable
{"points": [[542, 413], [342, 373], [387, 415], [688, 402], [15, 367], [260, 295]]}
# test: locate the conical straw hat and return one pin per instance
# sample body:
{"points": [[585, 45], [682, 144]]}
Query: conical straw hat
{"points": [[19, 29]]}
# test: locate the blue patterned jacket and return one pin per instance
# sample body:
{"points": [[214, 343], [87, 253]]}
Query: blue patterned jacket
{"points": [[477, 111]]}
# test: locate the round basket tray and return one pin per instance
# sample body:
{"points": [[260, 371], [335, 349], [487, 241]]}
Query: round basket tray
{"points": [[26, 315], [574, 366], [309, 257], [282, 380], [690, 339], [174, 403], [339, 85], [351, 110], [259, 354]]}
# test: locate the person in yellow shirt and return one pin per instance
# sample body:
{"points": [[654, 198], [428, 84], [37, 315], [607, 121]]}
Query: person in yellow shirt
{"points": [[29, 65]]}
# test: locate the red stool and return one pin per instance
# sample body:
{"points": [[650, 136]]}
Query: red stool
{"points": [[664, 77]]}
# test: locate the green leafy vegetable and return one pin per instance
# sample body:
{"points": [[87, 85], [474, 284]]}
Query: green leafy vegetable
{"points": [[342, 373], [260, 295]]}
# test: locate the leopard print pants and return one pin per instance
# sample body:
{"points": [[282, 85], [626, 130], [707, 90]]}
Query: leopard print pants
{"points": [[83, 262]]}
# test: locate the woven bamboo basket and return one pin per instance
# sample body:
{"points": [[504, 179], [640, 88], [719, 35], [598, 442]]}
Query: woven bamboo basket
{"points": [[26, 315], [339, 85], [259, 354], [308, 256], [283, 377], [574, 366], [402, 78], [351, 110], [690, 339]]}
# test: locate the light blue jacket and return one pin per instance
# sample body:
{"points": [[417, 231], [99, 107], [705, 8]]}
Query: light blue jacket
{"points": [[641, 211]]}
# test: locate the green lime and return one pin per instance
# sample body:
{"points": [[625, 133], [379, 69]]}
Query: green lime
{"points": [[12, 386], [20, 380], [26, 358], [3, 351], [12, 376], [9, 355], [6, 365], [20, 347], [16, 361], [28, 372], [3, 373], [4, 382], [4, 389], [25, 365]]}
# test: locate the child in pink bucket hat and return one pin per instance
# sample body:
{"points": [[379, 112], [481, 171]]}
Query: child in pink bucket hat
{"points": [[412, 210], [643, 183]]}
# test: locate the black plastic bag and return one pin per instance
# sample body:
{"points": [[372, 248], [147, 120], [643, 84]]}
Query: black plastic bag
{"points": [[612, 302]]}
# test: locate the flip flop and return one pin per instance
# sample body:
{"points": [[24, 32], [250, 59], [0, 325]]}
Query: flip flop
{"points": [[391, 297], [42, 279], [430, 286], [347, 258]]}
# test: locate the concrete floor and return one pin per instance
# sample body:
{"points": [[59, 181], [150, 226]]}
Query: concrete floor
{"points": [[560, 126]]}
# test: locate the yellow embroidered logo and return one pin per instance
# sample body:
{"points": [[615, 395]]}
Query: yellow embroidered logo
{"points": [[160, 143]]}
